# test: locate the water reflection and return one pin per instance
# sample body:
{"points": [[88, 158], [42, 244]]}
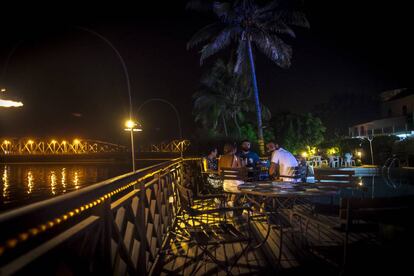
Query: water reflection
{"points": [[380, 186], [30, 181], [76, 180], [53, 182], [23, 184], [5, 179], [63, 179]]}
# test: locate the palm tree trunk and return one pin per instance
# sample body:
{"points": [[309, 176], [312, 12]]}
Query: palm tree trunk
{"points": [[225, 126], [256, 99]]}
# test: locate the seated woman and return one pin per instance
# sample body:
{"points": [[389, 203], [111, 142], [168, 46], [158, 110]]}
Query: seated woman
{"points": [[210, 165], [210, 161]]}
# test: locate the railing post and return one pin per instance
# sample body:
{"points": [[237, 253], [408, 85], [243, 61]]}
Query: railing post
{"points": [[104, 212], [142, 268]]}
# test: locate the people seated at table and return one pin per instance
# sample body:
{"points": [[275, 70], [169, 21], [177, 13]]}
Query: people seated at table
{"points": [[283, 163], [249, 157]]}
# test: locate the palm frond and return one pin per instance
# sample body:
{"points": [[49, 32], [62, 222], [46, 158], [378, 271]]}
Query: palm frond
{"points": [[204, 34], [221, 9], [221, 41], [268, 8], [266, 114], [292, 17], [273, 47], [241, 57], [280, 27]]}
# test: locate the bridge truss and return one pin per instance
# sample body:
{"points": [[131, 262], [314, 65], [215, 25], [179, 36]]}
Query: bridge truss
{"points": [[173, 146], [26, 146]]}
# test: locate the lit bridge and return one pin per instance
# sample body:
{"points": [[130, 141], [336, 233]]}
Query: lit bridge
{"points": [[175, 146], [25, 146]]}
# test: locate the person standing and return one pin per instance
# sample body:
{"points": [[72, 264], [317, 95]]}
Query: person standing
{"points": [[283, 163]]}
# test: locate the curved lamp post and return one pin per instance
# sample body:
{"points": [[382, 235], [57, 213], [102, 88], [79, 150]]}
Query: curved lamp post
{"points": [[177, 115], [129, 124]]}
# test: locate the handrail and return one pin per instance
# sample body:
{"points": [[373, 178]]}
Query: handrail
{"points": [[48, 203], [22, 224]]}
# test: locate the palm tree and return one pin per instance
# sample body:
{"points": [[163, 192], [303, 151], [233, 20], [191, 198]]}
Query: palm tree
{"points": [[224, 99], [245, 23]]}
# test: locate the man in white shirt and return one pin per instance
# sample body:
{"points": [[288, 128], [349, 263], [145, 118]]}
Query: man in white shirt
{"points": [[283, 162]]}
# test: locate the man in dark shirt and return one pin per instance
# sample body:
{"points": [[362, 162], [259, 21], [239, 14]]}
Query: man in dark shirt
{"points": [[250, 158]]}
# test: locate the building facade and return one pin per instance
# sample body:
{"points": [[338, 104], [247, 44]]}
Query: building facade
{"points": [[396, 118]]}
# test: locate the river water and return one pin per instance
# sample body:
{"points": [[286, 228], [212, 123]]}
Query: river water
{"points": [[22, 184]]}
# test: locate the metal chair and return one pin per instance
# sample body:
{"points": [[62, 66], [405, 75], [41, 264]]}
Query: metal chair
{"points": [[209, 228]]}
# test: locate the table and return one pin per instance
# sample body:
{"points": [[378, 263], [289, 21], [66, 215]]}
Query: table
{"points": [[282, 195], [284, 189]]}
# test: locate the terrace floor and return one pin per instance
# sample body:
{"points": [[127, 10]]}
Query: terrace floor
{"points": [[184, 258]]}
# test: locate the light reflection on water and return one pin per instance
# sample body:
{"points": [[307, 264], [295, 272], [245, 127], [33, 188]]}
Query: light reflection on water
{"points": [[5, 179], [23, 184], [64, 179], [30, 181]]}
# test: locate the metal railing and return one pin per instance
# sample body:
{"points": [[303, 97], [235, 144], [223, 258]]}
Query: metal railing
{"points": [[117, 226]]}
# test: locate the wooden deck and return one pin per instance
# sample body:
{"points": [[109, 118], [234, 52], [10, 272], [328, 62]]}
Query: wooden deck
{"points": [[185, 258], [321, 253]]}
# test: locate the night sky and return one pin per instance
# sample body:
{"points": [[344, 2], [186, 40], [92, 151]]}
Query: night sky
{"points": [[72, 83]]}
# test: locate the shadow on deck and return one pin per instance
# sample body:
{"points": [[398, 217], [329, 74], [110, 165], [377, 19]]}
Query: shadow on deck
{"points": [[320, 252]]}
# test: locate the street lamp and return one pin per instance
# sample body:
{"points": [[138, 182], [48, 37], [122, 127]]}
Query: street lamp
{"points": [[131, 126]]}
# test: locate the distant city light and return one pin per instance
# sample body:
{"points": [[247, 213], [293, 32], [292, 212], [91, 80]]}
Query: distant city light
{"points": [[9, 103], [405, 135]]}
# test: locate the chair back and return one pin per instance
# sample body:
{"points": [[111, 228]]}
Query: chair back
{"points": [[233, 173], [186, 196]]}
